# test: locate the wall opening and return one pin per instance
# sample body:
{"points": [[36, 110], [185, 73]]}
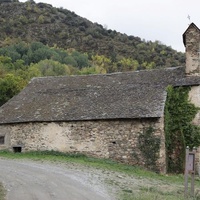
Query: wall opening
{"points": [[2, 139], [17, 149]]}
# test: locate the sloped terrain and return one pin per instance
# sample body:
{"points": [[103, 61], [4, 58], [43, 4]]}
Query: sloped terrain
{"points": [[25, 179], [60, 27], [31, 180]]}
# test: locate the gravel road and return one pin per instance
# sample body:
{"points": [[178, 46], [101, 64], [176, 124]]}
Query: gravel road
{"points": [[32, 180], [38, 180]]}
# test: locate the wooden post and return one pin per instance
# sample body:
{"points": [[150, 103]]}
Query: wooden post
{"points": [[193, 172], [192, 184], [186, 173], [189, 168]]}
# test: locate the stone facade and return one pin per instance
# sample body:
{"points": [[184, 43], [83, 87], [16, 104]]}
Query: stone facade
{"points": [[113, 139], [194, 97], [192, 45], [191, 39]]}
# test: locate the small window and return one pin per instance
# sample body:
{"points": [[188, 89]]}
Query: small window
{"points": [[17, 149], [2, 139]]}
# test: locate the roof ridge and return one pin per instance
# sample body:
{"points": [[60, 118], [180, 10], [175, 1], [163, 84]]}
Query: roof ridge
{"points": [[108, 74]]}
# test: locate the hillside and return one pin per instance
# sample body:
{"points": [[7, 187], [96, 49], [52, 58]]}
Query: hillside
{"points": [[64, 29], [40, 40]]}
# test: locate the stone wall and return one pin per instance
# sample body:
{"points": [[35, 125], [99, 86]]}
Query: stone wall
{"points": [[5, 132], [113, 139], [194, 97], [192, 38]]}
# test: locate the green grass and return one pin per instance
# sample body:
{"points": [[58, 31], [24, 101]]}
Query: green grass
{"points": [[152, 193], [150, 196], [2, 192], [143, 193], [89, 161]]}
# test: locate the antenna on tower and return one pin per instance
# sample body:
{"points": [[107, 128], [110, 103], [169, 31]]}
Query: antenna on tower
{"points": [[189, 19]]}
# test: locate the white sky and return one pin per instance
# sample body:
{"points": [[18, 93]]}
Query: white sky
{"points": [[163, 20]]}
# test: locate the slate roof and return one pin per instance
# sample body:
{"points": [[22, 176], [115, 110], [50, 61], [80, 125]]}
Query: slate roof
{"points": [[129, 95]]}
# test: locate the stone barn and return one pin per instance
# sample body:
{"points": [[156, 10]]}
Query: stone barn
{"points": [[98, 115]]}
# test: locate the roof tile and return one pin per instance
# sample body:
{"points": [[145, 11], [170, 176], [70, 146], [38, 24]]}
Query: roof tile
{"points": [[128, 95]]}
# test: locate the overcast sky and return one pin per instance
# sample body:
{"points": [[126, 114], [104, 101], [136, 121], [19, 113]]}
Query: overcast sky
{"points": [[163, 20]]}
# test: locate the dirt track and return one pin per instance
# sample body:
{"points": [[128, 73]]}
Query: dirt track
{"points": [[30, 180], [37, 180]]}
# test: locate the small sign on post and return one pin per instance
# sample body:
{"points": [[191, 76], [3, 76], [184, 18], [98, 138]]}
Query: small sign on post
{"points": [[189, 169]]}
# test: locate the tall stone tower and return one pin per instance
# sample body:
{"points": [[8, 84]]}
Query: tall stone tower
{"points": [[191, 40]]}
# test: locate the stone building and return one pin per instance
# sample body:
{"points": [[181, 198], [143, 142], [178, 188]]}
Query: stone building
{"points": [[191, 40], [98, 115]]}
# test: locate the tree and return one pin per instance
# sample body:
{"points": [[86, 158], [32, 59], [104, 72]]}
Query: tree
{"points": [[127, 64], [51, 68], [81, 59], [6, 63], [102, 61], [10, 85], [19, 64]]}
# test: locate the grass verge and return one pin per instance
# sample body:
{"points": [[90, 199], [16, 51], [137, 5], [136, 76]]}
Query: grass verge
{"points": [[144, 192], [2, 192], [153, 193], [89, 161]]}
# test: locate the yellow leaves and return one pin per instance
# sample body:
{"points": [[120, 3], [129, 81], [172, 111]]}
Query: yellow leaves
{"points": [[41, 19], [105, 65], [10, 85], [92, 70], [163, 52], [148, 66], [5, 60], [100, 60], [128, 64]]}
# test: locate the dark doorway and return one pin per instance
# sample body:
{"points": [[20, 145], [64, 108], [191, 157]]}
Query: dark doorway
{"points": [[17, 149]]}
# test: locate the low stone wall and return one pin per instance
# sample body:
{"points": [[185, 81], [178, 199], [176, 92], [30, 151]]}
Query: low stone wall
{"points": [[114, 139]]}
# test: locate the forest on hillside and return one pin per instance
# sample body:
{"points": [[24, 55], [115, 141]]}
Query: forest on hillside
{"points": [[21, 62], [60, 27], [39, 40]]}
